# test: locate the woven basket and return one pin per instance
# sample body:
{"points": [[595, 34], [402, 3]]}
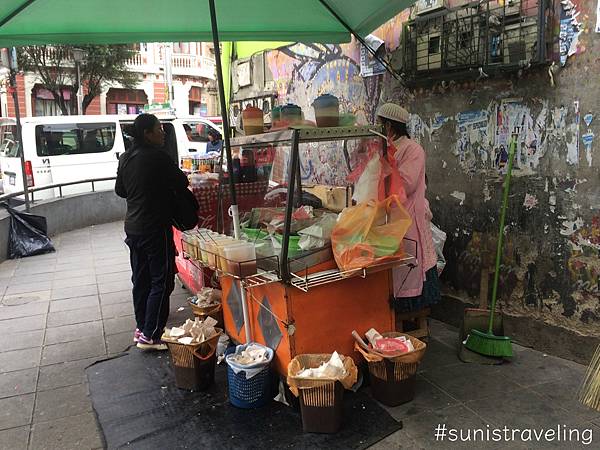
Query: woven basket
{"points": [[183, 355], [204, 311], [405, 366]]}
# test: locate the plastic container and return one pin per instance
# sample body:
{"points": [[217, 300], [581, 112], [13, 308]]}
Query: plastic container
{"points": [[241, 259], [293, 245], [327, 111], [291, 114], [249, 393], [253, 120], [222, 260], [275, 114], [326, 418]]}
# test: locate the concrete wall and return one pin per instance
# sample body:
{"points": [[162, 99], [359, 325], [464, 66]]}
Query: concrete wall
{"points": [[71, 213], [551, 266]]}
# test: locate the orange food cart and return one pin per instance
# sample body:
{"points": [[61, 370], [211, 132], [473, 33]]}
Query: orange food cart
{"points": [[302, 303]]}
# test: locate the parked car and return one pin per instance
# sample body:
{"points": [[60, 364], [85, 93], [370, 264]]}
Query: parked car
{"points": [[62, 149]]}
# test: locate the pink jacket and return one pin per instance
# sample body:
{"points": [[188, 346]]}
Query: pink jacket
{"points": [[410, 161]]}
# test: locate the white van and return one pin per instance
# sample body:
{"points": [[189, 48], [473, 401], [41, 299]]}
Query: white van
{"points": [[62, 149], [184, 136]]}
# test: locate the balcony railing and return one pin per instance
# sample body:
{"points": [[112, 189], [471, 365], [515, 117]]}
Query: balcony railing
{"points": [[459, 43]]}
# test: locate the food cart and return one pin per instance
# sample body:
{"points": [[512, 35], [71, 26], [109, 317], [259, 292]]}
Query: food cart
{"points": [[298, 301]]}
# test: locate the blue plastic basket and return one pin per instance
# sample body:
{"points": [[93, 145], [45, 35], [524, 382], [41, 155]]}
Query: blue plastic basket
{"points": [[249, 393]]}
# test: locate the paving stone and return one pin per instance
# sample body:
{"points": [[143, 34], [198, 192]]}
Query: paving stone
{"points": [[68, 274], [427, 398], [119, 325], [62, 402], [114, 286], [74, 303], [118, 343], [64, 374], [69, 433], [73, 351], [74, 292], [14, 438], [24, 279], [116, 297], [73, 316], [523, 408], [18, 383], [438, 355], [16, 411], [18, 341], [20, 359], [114, 277], [28, 287], [118, 267], [23, 324], [68, 333], [24, 299], [111, 261], [529, 367], [467, 382], [27, 310], [117, 310], [564, 394], [34, 269], [86, 280]]}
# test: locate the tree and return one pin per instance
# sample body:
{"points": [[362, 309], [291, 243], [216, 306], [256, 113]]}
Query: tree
{"points": [[103, 64]]}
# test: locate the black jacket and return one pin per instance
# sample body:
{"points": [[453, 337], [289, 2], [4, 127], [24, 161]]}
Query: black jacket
{"points": [[147, 178]]}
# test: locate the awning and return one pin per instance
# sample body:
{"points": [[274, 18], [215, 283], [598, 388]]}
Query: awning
{"points": [[28, 22]]}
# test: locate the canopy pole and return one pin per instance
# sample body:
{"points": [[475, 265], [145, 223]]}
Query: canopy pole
{"points": [[12, 62], [386, 64], [233, 211]]}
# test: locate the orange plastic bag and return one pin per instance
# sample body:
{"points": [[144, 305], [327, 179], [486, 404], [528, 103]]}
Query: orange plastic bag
{"points": [[370, 233]]}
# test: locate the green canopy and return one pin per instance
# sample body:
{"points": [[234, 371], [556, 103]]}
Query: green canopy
{"points": [[30, 22]]}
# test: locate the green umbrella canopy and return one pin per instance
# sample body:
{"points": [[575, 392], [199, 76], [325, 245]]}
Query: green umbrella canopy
{"points": [[31, 22]]}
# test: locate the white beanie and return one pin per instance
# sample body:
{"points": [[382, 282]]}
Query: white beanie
{"points": [[393, 112]]}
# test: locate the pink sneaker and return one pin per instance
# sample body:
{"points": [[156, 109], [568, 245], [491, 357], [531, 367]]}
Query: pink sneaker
{"points": [[151, 344], [136, 335]]}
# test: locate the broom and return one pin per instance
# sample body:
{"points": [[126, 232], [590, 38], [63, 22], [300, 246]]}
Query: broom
{"points": [[488, 343], [589, 394]]}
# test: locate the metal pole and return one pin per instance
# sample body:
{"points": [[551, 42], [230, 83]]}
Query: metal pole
{"points": [[13, 86], [79, 90], [234, 212]]}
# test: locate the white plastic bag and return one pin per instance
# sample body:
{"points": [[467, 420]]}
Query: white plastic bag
{"points": [[319, 234], [439, 239], [367, 186]]}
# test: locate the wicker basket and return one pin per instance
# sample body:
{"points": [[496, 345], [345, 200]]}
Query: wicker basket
{"points": [[393, 379], [194, 364], [321, 400], [214, 311]]}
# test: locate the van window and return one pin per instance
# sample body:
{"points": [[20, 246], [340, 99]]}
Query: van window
{"points": [[74, 138], [197, 131], [8, 141]]}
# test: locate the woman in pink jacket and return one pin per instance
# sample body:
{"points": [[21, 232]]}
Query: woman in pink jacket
{"points": [[416, 288]]}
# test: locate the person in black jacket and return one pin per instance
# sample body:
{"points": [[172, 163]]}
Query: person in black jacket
{"points": [[147, 178]]}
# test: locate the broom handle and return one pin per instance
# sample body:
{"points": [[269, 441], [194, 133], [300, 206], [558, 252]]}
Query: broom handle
{"points": [[511, 157]]}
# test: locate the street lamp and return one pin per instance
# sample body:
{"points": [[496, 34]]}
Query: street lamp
{"points": [[78, 57]]}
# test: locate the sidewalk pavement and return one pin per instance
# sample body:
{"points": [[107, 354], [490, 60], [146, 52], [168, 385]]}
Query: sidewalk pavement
{"points": [[61, 312]]}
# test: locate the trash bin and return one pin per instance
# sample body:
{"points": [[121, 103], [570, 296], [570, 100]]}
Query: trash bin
{"points": [[194, 364], [249, 386], [321, 399], [393, 379], [202, 312]]}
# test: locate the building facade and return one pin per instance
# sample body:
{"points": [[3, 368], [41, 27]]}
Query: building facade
{"points": [[194, 90]]}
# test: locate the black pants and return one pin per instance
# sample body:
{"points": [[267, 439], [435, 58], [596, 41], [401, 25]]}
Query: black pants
{"points": [[153, 276]]}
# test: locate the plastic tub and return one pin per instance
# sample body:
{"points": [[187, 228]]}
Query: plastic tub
{"points": [[253, 392], [222, 260], [253, 121], [241, 259]]}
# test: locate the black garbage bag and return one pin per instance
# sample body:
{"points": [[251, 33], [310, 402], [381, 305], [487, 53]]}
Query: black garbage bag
{"points": [[28, 234]]}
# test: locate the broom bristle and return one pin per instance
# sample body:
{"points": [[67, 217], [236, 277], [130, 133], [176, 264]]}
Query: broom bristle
{"points": [[489, 344], [589, 393]]}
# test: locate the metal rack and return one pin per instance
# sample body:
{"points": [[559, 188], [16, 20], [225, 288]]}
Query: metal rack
{"points": [[294, 137]]}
